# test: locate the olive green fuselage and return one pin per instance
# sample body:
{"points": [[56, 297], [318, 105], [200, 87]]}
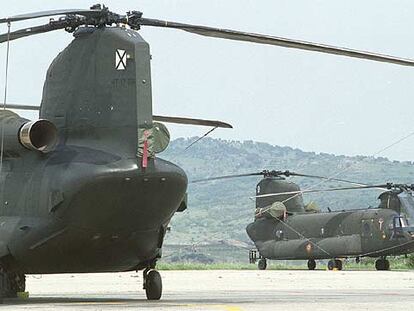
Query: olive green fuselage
{"points": [[367, 232], [90, 205]]}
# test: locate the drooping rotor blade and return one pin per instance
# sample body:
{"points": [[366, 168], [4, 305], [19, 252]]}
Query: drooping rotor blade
{"points": [[192, 121], [271, 40], [20, 107], [326, 178], [30, 31], [331, 179], [386, 186], [179, 120], [226, 177], [22, 17], [274, 173], [264, 173], [166, 119], [99, 16]]}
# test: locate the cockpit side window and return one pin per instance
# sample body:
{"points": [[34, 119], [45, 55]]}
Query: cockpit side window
{"points": [[400, 222]]}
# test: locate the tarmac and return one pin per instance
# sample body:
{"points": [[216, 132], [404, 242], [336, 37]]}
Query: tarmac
{"points": [[223, 290]]}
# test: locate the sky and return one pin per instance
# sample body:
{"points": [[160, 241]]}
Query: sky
{"points": [[311, 101]]}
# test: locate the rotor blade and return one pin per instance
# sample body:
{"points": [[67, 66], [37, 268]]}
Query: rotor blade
{"points": [[331, 179], [192, 121], [284, 173], [20, 107], [327, 178], [271, 40], [226, 177], [319, 190], [178, 120], [31, 31], [22, 17]]}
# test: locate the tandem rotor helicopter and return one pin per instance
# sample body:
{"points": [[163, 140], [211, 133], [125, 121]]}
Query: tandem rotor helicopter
{"points": [[81, 188], [285, 228]]}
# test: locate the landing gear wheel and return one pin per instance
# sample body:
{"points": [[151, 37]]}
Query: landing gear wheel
{"points": [[153, 285], [262, 264], [335, 264], [11, 284], [387, 265], [382, 264], [331, 264], [311, 264], [17, 284], [338, 264], [379, 264]]}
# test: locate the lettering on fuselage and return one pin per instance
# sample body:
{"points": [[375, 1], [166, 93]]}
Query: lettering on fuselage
{"points": [[123, 83]]}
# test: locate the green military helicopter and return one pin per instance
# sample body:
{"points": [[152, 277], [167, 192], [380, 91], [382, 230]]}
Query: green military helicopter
{"points": [[286, 229], [81, 188]]}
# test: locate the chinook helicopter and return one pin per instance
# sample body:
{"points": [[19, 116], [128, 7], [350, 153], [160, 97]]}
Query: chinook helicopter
{"points": [[81, 188], [285, 228]]}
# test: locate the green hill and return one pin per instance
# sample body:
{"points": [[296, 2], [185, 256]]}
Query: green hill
{"points": [[221, 210]]}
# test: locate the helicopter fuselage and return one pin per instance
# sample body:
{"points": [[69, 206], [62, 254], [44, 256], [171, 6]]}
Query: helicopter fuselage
{"points": [[367, 232]]}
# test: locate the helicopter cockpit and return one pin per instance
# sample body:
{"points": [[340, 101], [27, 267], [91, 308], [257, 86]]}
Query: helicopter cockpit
{"points": [[399, 226], [403, 204]]}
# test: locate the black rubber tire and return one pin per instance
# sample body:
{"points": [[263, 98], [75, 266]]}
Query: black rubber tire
{"points": [[331, 264], [262, 264], [2, 286], [20, 282], [311, 264], [380, 264], [8, 286], [16, 283], [338, 264], [153, 285], [386, 265]]}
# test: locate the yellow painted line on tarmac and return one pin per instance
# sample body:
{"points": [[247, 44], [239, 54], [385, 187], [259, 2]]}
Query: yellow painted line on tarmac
{"points": [[219, 307], [202, 306], [86, 303], [232, 308]]}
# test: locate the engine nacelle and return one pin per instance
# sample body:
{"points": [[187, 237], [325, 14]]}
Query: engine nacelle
{"points": [[18, 132]]}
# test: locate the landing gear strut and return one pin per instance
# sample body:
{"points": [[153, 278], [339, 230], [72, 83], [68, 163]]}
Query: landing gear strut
{"points": [[311, 264], [152, 284], [11, 284], [382, 264], [335, 264]]}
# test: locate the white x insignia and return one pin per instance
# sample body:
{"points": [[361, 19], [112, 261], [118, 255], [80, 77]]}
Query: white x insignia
{"points": [[120, 59]]}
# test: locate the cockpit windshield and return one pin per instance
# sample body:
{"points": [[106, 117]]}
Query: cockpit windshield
{"points": [[407, 204]]}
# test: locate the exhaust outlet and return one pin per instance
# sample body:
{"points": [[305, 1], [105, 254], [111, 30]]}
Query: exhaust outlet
{"points": [[40, 135]]}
